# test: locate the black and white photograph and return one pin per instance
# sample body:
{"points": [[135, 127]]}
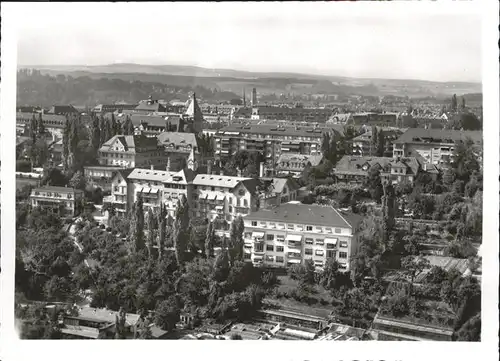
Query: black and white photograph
{"points": [[224, 171]]}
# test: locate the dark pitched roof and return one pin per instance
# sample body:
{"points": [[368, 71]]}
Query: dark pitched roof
{"points": [[130, 142], [178, 139], [250, 184], [302, 214], [354, 164], [438, 135]]}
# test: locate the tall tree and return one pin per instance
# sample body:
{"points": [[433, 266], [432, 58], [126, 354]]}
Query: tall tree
{"points": [[40, 127], [463, 103], [102, 125], [128, 127], [210, 241], [236, 240], [374, 141], [454, 103], [380, 145], [181, 229], [388, 209], [413, 266], [73, 144], [374, 183], [138, 224], [33, 129], [151, 222], [114, 126], [161, 231], [95, 135], [65, 143]]}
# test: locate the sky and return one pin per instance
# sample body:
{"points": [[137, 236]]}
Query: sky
{"points": [[320, 38]]}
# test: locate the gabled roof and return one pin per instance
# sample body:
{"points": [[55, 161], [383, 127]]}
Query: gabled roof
{"points": [[130, 142], [178, 139], [349, 164], [193, 109], [250, 184]]}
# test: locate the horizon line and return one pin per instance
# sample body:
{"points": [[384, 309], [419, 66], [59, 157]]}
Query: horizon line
{"points": [[33, 66]]}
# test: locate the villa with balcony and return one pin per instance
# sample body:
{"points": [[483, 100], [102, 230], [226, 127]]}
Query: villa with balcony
{"points": [[61, 200]]}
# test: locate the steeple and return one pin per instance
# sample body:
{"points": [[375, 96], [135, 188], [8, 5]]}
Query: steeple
{"points": [[193, 112]]}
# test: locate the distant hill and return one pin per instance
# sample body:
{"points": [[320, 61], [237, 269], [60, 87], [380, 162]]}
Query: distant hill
{"points": [[234, 81]]}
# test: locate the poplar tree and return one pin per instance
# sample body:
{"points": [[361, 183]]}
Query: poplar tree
{"points": [[33, 128], [161, 231], [65, 143], [95, 135], [374, 140], [102, 126], [236, 240], [138, 231], [41, 128], [114, 127], [210, 241], [151, 222], [181, 229]]}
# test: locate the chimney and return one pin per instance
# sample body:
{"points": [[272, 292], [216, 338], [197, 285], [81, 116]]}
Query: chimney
{"points": [[152, 167], [168, 164], [209, 167], [239, 173], [261, 169], [221, 172]]}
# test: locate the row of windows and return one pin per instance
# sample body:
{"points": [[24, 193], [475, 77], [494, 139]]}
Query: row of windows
{"points": [[50, 194], [295, 227]]}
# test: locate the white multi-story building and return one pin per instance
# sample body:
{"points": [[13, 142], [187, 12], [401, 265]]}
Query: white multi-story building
{"points": [[61, 200], [292, 233], [223, 196]]}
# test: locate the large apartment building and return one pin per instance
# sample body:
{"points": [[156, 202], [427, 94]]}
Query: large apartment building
{"points": [[362, 145], [61, 200], [434, 146], [271, 140], [130, 151], [179, 147], [155, 186], [291, 114], [292, 233]]}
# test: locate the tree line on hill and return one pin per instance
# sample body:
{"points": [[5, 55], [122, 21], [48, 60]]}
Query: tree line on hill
{"points": [[35, 88]]}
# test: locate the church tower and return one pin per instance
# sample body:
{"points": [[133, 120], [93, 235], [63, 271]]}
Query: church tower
{"points": [[194, 115]]}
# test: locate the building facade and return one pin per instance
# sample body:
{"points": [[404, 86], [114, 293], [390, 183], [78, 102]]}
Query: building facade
{"points": [[61, 200], [320, 115], [271, 140], [130, 151], [433, 146], [354, 170], [292, 233], [362, 145]]}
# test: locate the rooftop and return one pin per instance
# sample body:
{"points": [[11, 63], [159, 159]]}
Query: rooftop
{"points": [[298, 131], [419, 135], [159, 176], [302, 158], [130, 142], [178, 139], [105, 315], [217, 180], [302, 214], [360, 165], [57, 189]]}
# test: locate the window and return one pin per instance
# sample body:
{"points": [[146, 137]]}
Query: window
{"points": [[272, 225], [230, 200], [309, 241], [270, 258], [270, 237], [279, 259], [338, 230], [342, 266], [262, 224], [343, 244], [290, 226], [281, 225], [245, 203], [319, 229], [237, 202], [280, 238], [330, 254], [280, 249], [212, 188], [247, 256], [343, 255], [330, 246], [308, 251], [299, 227], [319, 252], [320, 241], [254, 224], [328, 230], [270, 248], [309, 228], [259, 247]]}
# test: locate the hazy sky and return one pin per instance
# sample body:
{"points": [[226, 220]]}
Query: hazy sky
{"points": [[317, 38]]}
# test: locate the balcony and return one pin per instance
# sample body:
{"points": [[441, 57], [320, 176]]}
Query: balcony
{"points": [[294, 255], [294, 244]]}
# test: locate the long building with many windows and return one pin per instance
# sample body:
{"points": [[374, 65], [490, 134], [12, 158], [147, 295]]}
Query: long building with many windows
{"points": [[271, 140], [292, 233], [61, 200]]}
